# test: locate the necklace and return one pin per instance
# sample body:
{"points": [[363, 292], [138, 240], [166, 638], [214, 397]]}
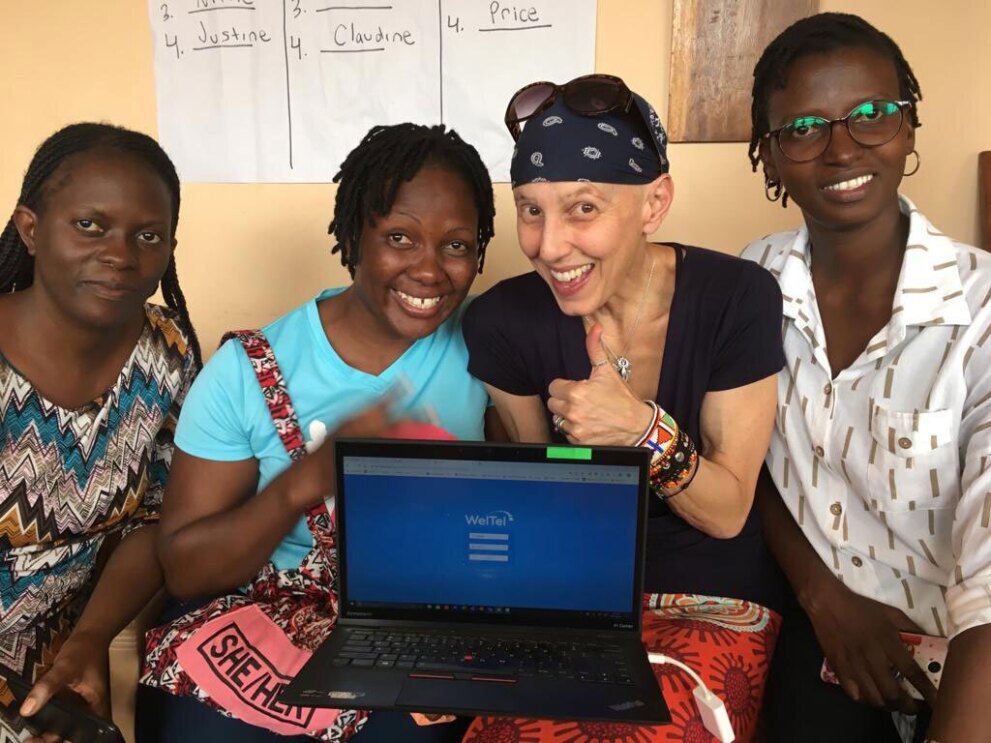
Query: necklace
{"points": [[621, 363]]}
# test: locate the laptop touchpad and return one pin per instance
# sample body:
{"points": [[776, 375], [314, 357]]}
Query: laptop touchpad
{"points": [[437, 693]]}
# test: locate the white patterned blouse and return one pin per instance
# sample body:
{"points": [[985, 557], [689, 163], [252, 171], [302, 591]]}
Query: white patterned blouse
{"points": [[887, 466]]}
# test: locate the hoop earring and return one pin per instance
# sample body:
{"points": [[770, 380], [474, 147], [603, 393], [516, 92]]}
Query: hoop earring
{"points": [[769, 186], [918, 163]]}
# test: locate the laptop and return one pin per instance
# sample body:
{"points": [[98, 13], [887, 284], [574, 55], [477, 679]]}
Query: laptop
{"points": [[488, 579]]}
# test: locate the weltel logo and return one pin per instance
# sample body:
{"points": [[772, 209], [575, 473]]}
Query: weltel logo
{"points": [[493, 518], [487, 542]]}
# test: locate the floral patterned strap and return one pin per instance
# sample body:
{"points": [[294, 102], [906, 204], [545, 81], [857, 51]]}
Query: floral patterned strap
{"points": [[274, 389], [280, 407]]}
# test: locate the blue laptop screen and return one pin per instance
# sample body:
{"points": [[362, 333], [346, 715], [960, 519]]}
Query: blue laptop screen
{"points": [[490, 536]]}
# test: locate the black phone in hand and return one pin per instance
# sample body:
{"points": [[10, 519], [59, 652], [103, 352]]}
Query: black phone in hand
{"points": [[66, 715]]}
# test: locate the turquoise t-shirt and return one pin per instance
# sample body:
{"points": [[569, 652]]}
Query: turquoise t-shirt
{"points": [[224, 417]]}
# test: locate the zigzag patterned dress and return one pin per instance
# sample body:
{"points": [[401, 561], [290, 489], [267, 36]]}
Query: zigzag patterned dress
{"points": [[70, 479]]}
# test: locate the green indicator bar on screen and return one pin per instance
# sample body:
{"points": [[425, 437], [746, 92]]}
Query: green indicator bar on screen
{"points": [[569, 452]]}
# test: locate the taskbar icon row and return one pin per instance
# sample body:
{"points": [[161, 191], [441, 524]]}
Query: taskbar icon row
{"points": [[467, 609]]}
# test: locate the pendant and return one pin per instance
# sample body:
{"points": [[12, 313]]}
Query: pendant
{"points": [[623, 365]]}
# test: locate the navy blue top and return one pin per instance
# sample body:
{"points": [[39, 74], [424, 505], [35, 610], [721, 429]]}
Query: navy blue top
{"points": [[724, 332]]}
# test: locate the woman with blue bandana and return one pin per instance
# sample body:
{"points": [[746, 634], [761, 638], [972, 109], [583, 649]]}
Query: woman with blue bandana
{"points": [[616, 340]]}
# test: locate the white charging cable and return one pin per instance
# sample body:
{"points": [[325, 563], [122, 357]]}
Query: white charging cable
{"points": [[711, 708]]}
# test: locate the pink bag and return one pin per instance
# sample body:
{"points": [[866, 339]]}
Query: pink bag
{"points": [[242, 661]]}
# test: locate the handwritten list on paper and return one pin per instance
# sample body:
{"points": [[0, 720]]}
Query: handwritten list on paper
{"points": [[281, 90]]}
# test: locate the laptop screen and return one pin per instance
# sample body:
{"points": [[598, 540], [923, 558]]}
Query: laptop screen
{"points": [[450, 532]]}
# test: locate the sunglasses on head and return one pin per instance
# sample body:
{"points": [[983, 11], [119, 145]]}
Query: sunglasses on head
{"points": [[588, 95]]}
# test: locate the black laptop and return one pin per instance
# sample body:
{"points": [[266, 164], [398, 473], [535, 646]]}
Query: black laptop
{"points": [[488, 579]]}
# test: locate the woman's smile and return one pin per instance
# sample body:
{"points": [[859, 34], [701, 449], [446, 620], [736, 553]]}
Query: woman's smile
{"points": [[568, 281], [418, 306]]}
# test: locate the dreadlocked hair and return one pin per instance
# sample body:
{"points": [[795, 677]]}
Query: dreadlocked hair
{"points": [[388, 156], [17, 265], [820, 34]]}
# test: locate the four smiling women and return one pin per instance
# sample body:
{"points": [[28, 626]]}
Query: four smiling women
{"points": [[863, 368]]}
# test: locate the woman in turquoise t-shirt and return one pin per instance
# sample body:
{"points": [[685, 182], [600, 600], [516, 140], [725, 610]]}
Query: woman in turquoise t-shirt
{"points": [[413, 215]]}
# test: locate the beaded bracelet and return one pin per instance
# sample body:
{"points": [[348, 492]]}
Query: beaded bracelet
{"points": [[679, 469], [655, 415], [674, 459]]}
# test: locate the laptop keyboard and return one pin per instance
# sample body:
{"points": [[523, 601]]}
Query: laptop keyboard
{"points": [[442, 655]]}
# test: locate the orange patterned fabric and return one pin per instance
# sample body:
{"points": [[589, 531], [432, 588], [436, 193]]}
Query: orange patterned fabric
{"points": [[728, 642]]}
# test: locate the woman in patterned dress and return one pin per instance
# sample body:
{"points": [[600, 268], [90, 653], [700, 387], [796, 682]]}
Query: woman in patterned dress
{"points": [[91, 380]]}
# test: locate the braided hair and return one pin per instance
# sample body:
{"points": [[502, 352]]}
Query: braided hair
{"points": [[387, 157], [17, 265], [820, 34]]}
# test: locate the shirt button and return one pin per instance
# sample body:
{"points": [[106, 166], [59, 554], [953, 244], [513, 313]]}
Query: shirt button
{"points": [[836, 509], [905, 442], [820, 452], [827, 390], [857, 562]]}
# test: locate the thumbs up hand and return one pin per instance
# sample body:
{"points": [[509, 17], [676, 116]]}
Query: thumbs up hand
{"points": [[601, 410]]}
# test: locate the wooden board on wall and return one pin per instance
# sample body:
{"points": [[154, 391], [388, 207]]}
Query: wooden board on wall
{"points": [[714, 48]]}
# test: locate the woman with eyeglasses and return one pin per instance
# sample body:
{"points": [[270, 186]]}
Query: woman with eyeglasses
{"points": [[617, 340], [875, 498]]}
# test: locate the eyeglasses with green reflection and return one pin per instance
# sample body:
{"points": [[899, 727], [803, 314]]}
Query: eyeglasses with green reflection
{"points": [[870, 124]]}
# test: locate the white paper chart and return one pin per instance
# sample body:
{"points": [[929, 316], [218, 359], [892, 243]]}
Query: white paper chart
{"points": [[281, 90]]}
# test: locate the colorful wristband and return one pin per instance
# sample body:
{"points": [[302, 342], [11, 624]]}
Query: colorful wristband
{"points": [[656, 412], [674, 459], [681, 470]]}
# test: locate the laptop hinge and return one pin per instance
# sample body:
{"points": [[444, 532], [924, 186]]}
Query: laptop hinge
{"points": [[478, 628]]}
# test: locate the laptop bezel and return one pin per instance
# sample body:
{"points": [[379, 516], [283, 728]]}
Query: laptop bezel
{"points": [[532, 620]]}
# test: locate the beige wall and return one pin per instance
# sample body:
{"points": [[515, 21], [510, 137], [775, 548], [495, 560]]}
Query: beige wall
{"points": [[251, 252]]}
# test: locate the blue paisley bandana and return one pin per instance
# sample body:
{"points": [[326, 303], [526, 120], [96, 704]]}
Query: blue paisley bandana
{"points": [[560, 145]]}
